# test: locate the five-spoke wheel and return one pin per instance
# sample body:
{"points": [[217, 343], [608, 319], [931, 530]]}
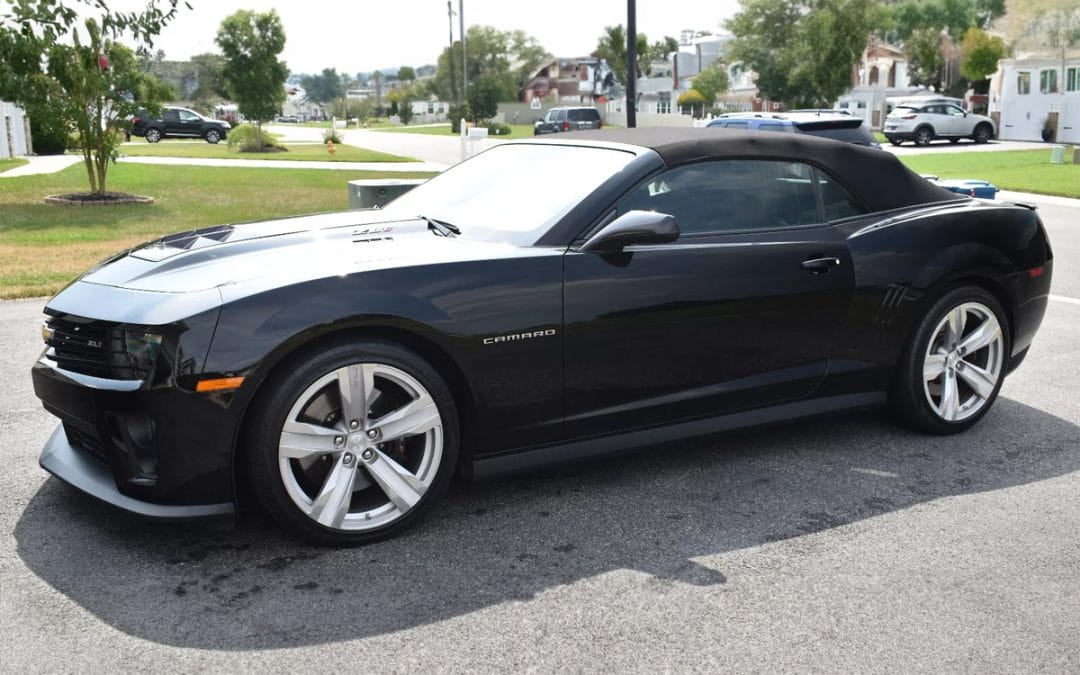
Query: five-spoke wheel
{"points": [[954, 365], [359, 449]]}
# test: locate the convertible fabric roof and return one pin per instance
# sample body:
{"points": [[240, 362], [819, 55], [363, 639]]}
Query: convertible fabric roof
{"points": [[877, 176]]}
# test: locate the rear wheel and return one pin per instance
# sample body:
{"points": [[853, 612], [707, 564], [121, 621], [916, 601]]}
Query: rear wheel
{"points": [[354, 443], [951, 371], [153, 135], [923, 136]]}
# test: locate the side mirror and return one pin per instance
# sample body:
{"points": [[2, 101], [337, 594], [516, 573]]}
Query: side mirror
{"points": [[633, 227]]}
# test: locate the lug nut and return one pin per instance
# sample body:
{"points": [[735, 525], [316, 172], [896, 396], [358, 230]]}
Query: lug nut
{"points": [[339, 440], [367, 455], [373, 434], [354, 424], [347, 459]]}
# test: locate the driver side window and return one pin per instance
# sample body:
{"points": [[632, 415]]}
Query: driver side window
{"points": [[726, 196]]}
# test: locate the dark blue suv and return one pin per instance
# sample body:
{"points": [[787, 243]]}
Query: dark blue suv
{"points": [[837, 126]]}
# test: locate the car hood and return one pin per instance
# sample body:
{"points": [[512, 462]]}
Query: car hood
{"points": [[278, 252]]}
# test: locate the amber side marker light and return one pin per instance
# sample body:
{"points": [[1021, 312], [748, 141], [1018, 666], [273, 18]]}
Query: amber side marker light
{"points": [[220, 384]]}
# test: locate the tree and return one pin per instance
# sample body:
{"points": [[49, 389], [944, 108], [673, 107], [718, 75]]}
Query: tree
{"points": [[254, 76], [64, 61], [484, 96], [324, 87], [980, 53], [506, 58], [923, 49], [209, 75], [612, 48], [802, 50], [406, 74], [695, 100], [711, 81]]}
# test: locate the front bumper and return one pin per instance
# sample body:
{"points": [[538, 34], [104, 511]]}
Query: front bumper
{"points": [[76, 468]]}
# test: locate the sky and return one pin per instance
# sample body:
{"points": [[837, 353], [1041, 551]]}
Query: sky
{"points": [[362, 35]]}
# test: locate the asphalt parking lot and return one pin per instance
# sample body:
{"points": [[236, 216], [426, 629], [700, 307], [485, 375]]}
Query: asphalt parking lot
{"points": [[843, 543]]}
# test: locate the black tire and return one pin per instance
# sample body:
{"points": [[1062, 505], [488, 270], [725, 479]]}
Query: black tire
{"points": [[213, 136], [908, 400], [983, 133], [923, 136], [280, 395], [896, 141], [154, 135], [954, 141]]}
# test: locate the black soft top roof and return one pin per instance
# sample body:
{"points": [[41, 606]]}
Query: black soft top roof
{"points": [[876, 176]]}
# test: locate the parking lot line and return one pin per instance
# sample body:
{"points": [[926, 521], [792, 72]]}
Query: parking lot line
{"points": [[1063, 298]]}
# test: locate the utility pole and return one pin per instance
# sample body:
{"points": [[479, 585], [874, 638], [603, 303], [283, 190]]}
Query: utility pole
{"points": [[631, 64], [453, 80], [464, 59]]}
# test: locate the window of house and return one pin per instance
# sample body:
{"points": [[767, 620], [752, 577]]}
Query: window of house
{"points": [[431, 107], [1048, 83], [1072, 79], [663, 106], [725, 196], [1023, 83]]}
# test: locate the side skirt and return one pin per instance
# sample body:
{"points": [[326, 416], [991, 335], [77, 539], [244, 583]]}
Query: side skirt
{"points": [[526, 460]]}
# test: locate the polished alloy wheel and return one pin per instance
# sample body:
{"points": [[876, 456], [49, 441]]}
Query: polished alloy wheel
{"points": [[360, 447], [963, 362]]}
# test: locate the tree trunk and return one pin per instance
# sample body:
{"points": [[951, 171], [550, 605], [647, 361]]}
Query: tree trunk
{"points": [[258, 135]]}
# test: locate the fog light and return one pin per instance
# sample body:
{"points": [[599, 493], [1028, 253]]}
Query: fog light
{"points": [[143, 348]]}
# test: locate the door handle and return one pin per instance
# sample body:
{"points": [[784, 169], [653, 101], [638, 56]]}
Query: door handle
{"points": [[820, 265]]}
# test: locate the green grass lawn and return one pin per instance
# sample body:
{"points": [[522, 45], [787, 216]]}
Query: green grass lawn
{"points": [[314, 152], [1020, 170], [43, 246], [6, 164], [516, 130]]}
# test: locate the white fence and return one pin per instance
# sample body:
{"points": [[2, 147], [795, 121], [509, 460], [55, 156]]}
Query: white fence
{"points": [[14, 131]]}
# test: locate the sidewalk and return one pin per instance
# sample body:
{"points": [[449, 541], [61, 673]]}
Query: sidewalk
{"points": [[42, 164], [385, 167]]}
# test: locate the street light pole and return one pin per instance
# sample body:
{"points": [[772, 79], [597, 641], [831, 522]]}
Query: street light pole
{"points": [[631, 64], [453, 79]]}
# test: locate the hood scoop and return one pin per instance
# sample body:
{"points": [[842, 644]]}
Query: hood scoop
{"points": [[175, 244]]}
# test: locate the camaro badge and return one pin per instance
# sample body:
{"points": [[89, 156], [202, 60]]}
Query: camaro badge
{"points": [[514, 337]]}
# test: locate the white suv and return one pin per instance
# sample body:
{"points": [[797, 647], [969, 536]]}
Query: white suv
{"points": [[925, 122]]}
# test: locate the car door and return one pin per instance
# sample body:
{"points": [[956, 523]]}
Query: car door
{"points": [[742, 311], [171, 118], [957, 121], [190, 124]]}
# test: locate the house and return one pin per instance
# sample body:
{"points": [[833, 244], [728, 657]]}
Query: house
{"points": [[14, 131], [1030, 88], [570, 80], [880, 75]]}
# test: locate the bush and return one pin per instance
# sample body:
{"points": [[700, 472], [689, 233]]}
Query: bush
{"points": [[455, 112], [331, 134], [243, 137], [498, 129], [48, 139]]}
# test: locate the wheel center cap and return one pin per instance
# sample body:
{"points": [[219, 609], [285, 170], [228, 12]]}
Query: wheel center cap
{"points": [[952, 359]]}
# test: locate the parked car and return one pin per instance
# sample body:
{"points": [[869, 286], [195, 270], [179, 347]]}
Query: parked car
{"points": [[839, 126], [568, 119], [178, 122], [924, 123], [679, 282], [288, 119]]}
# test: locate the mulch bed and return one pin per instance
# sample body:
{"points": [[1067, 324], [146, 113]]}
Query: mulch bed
{"points": [[91, 199]]}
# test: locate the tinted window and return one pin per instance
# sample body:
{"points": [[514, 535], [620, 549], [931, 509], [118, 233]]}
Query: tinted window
{"points": [[171, 116], [730, 196], [858, 135], [585, 114], [735, 125], [772, 127], [838, 202], [188, 116]]}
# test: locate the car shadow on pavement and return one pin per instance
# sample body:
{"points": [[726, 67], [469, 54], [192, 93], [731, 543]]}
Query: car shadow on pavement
{"points": [[489, 543]]}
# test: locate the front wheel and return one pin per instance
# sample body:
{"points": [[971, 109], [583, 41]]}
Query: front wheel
{"points": [[212, 137], [354, 443], [952, 369], [153, 135], [983, 134]]}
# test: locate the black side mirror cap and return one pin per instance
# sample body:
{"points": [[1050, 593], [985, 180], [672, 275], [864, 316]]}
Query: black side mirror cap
{"points": [[633, 227]]}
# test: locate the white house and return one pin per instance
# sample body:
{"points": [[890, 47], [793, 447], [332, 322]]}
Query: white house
{"points": [[1029, 89], [14, 131]]}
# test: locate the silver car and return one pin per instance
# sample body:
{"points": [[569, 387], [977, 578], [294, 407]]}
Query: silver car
{"points": [[927, 122]]}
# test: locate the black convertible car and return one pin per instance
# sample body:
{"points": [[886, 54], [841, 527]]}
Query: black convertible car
{"points": [[340, 368]]}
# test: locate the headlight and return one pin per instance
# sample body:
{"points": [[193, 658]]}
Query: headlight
{"points": [[142, 349]]}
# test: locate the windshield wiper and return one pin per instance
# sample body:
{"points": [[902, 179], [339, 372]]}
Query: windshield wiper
{"points": [[440, 227]]}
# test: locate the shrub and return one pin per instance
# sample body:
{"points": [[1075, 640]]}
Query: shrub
{"points": [[48, 139], [455, 112], [498, 129], [243, 137], [331, 134]]}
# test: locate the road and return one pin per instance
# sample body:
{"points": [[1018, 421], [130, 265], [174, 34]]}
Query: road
{"points": [[841, 544]]}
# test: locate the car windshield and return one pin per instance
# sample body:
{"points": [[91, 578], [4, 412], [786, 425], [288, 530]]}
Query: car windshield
{"points": [[512, 193]]}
